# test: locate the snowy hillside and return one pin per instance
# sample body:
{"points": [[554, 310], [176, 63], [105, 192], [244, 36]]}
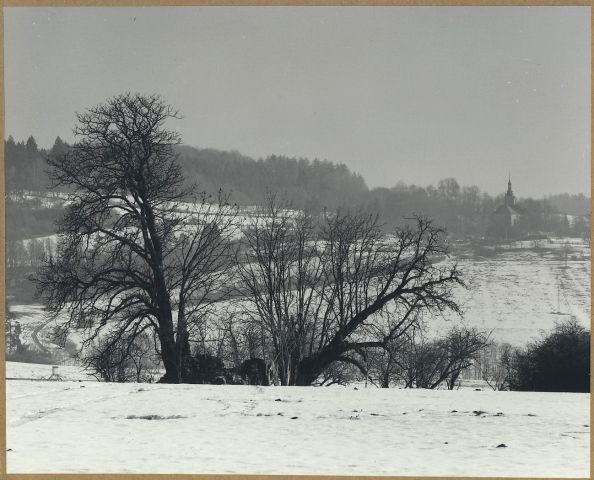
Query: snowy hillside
{"points": [[32, 321], [521, 292], [518, 293], [102, 427]]}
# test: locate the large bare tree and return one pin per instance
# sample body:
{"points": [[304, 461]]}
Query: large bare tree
{"points": [[327, 289], [132, 256], [376, 287]]}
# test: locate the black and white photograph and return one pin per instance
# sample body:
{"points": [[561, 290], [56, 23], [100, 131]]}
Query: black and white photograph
{"points": [[298, 240]]}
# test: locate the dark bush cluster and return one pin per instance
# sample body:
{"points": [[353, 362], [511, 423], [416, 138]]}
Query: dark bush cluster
{"points": [[210, 369], [560, 362]]}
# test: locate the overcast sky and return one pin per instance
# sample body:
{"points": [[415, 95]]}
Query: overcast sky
{"points": [[410, 94]]}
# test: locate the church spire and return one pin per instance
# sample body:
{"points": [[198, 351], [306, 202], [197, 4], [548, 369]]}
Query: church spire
{"points": [[509, 196]]}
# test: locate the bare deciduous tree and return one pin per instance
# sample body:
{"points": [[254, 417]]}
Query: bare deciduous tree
{"points": [[327, 289], [131, 253], [376, 287]]}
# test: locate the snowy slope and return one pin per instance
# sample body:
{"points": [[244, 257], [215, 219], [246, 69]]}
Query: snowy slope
{"points": [[521, 294], [32, 319], [101, 427]]}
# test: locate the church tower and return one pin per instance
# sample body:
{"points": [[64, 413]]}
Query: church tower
{"points": [[506, 216], [510, 200]]}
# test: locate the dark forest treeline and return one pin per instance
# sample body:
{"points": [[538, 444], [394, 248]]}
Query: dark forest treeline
{"points": [[571, 204], [307, 184], [463, 210], [25, 166]]}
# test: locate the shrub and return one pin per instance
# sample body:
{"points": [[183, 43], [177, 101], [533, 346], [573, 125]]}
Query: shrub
{"points": [[204, 368], [494, 365], [412, 361], [253, 371], [120, 359], [560, 362]]}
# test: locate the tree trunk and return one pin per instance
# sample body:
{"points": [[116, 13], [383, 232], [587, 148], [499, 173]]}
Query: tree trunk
{"points": [[312, 367], [169, 357], [169, 351], [307, 372], [182, 343], [453, 380], [386, 377]]}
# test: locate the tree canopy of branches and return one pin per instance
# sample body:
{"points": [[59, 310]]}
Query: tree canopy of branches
{"points": [[131, 256], [325, 289]]}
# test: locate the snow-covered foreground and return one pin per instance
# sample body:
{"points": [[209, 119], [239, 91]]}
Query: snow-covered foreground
{"points": [[100, 427]]}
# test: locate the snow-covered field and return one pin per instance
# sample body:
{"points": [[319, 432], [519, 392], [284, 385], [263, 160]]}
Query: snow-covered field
{"points": [[521, 293], [58, 427]]}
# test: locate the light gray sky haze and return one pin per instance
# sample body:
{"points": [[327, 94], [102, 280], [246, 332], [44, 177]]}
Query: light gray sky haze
{"points": [[411, 94]]}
